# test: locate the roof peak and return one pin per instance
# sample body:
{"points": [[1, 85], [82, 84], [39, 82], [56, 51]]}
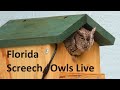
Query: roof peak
{"points": [[47, 30]]}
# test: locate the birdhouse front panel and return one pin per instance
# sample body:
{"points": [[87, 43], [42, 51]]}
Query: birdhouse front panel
{"points": [[17, 65], [62, 47]]}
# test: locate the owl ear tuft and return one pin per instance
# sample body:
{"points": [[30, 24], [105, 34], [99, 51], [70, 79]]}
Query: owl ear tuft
{"points": [[93, 30]]}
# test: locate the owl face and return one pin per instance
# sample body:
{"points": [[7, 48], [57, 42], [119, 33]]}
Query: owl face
{"points": [[84, 38], [80, 41]]}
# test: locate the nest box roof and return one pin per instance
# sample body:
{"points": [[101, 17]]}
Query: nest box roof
{"points": [[49, 30]]}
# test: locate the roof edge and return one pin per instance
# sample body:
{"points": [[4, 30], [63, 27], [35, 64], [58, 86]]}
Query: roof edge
{"points": [[110, 39]]}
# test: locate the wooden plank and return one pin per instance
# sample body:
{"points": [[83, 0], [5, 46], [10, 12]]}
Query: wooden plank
{"points": [[62, 58], [3, 62], [82, 76], [89, 58], [39, 30]]}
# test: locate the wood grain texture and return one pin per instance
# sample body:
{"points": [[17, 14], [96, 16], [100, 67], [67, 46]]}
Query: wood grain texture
{"points": [[82, 76], [3, 62], [39, 31], [62, 57]]}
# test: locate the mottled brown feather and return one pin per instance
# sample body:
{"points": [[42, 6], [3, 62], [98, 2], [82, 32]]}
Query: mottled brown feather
{"points": [[79, 42]]}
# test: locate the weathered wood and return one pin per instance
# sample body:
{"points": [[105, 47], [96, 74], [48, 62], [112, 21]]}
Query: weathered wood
{"points": [[62, 58], [38, 31]]}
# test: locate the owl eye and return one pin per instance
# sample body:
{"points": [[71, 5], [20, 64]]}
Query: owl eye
{"points": [[82, 38]]}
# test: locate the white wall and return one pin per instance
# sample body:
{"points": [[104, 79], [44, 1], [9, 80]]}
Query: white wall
{"points": [[110, 61]]}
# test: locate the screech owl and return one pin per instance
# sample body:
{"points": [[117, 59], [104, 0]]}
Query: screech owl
{"points": [[79, 42]]}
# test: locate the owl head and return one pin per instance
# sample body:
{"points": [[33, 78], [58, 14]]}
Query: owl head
{"points": [[80, 41], [84, 39]]}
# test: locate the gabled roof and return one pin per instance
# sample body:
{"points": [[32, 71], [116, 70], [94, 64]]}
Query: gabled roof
{"points": [[48, 30]]}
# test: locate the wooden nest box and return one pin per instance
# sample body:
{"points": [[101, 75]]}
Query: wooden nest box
{"points": [[27, 45]]}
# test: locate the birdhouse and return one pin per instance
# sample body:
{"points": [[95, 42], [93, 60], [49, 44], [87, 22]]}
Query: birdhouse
{"points": [[34, 48]]}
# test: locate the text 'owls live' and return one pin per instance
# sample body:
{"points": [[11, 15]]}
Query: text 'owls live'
{"points": [[53, 68], [39, 68]]}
